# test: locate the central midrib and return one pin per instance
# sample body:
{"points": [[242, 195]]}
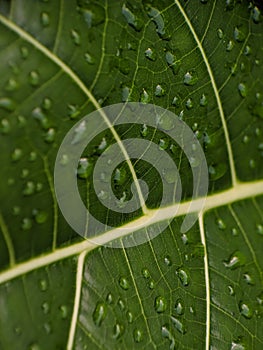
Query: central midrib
{"points": [[240, 192]]}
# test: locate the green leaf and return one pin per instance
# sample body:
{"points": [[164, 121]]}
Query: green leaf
{"points": [[201, 60]]}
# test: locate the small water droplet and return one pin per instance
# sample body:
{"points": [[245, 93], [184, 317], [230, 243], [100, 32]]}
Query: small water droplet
{"points": [[43, 285], [236, 260], [40, 116], [39, 186], [151, 284], [178, 325], [167, 260], [245, 139], [29, 188], [245, 310], [163, 144], [5, 126], [179, 307], [24, 52], [16, 155], [220, 33], [230, 46], [183, 276], [252, 163], [124, 284], [16, 210], [126, 94], [45, 20], [160, 304], [34, 78], [85, 167], [189, 103], [46, 104], [203, 100], [129, 316], [24, 173], [159, 91], [167, 334], [231, 290], [7, 103], [118, 330], [75, 37], [259, 229], [34, 346], [149, 53], [11, 85], [40, 216], [137, 335], [50, 135], [176, 101], [121, 304], [144, 98], [26, 224], [172, 62], [248, 279], [242, 89], [234, 231], [99, 313], [190, 78], [120, 176], [239, 36], [146, 273], [45, 307], [220, 224], [47, 328], [256, 14], [144, 130], [237, 346]]}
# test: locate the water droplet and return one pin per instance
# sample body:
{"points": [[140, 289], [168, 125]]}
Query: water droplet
{"points": [[167, 260], [103, 145], [144, 98], [11, 181], [157, 18], [242, 89], [203, 100], [47, 103], [220, 33], [144, 130], [75, 37], [99, 313], [124, 284], [170, 176], [24, 52], [189, 103], [84, 168], [5, 126], [184, 238], [149, 53], [33, 78], [45, 20], [179, 307], [163, 144], [40, 116], [120, 176], [26, 224], [259, 228], [183, 276], [131, 19], [16, 210], [159, 91], [29, 188], [248, 279], [230, 45], [32, 156], [7, 103], [176, 101], [256, 14], [190, 78], [16, 155], [43, 285], [39, 186], [231, 290], [172, 62], [245, 310], [252, 163], [121, 304], [151, 284], [239, 36], [109, 298], [40, 216], [236, 260], [45, 307], [34, 347], [129, 316], [11, 85], [137, 335], [160, 304], [245, 139], [220, 224], [178, 325], [234, 231], [126, 94], [24, 173], [117, 331], [167, 334], [230, 4], [50, 135], [260, 298], [146, 273], [237, 346]]}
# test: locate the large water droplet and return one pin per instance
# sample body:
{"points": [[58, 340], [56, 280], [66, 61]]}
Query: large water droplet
{"points": [[137, 335], [256, 14], [160, 304], [157, 18], [131, 19], [245, 310], [178, 325], [183, 276], [236, 260], [99, 313]]}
